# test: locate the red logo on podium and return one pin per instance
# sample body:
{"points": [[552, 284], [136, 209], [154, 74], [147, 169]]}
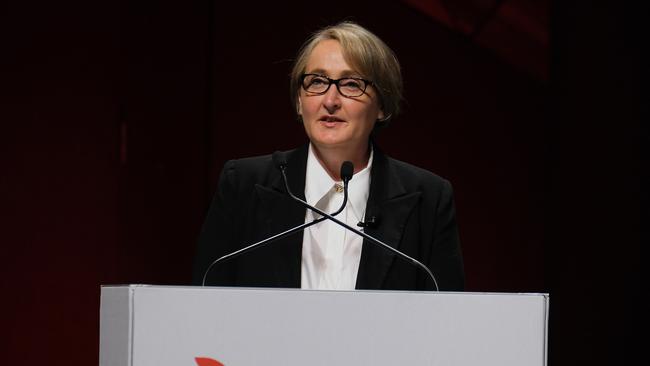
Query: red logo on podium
{"points": [[204, 361]]}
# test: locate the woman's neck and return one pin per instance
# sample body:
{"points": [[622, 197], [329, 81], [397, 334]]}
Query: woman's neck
{"points": [[332, 158]]}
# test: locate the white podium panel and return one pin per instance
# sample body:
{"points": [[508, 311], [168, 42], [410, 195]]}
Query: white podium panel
{"points": [[161, 325]]}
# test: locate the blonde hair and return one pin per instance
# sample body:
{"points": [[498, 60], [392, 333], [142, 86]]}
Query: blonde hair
{"points": [[367, 54]]}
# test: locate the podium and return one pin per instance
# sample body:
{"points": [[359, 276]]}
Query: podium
{"points": [[165, 325]]}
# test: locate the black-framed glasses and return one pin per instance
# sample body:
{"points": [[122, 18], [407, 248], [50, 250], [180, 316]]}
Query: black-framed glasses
{"points": [[347, 87]]}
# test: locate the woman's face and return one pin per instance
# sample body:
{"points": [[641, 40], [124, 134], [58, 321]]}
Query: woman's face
{"points": [[332, 120]]}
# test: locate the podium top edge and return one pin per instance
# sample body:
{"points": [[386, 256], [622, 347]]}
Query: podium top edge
{"points": [[281, 289]]}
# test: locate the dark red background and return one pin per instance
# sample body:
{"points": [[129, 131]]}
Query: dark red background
{"points": [[116, 119]]}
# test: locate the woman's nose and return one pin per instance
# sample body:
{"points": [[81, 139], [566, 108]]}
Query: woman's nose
{"points": [[332, 99]]}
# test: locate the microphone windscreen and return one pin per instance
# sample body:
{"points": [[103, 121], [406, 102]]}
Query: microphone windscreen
{"points": [[347, 169]]}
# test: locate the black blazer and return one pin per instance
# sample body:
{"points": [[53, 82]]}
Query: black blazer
{"points": [[414, 210]]}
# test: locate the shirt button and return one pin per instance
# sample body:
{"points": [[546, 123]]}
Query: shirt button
{"points": [[338, 188]]}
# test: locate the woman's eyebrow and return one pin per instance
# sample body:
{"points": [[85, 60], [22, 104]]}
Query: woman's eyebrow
{"points": [[344, 73]]}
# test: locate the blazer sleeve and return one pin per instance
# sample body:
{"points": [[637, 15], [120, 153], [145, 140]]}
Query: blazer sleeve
{"points": [[219, 231], [446, 260]]}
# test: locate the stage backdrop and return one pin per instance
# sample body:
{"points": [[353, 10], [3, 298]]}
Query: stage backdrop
{"points": [[116, 120]]}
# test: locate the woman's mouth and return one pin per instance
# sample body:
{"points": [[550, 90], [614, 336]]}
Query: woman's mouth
{"points": [[330, 121]]}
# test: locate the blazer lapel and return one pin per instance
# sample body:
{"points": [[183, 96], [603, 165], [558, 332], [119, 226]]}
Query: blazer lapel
{"points": [[282, 213], [389, 202]]}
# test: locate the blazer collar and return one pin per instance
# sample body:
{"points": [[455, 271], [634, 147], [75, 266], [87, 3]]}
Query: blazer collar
{"points": [[296, 170], [385, 184], [390, 204]]}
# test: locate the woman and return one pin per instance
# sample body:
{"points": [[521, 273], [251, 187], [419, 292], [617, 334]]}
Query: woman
{"points": [[346, 83]]}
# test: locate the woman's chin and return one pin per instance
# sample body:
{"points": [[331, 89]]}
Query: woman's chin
{"points": [[329, 142]]}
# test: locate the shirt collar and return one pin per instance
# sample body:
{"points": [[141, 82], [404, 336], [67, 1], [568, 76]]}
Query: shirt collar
{"points": [[359, 188], [318, 183]]}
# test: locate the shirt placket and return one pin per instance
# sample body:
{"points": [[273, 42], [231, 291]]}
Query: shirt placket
{"points": [[334, 246]]}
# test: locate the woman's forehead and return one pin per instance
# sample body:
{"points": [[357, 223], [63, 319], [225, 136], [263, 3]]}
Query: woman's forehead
{"points": [[327, 58]]}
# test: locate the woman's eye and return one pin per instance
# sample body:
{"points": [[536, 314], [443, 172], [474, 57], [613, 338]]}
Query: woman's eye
{"points": [[351, 83], [318, 81]]}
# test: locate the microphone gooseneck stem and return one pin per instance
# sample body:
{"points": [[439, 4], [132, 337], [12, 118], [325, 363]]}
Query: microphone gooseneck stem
{"points": [[277, 236], [364, 235]]}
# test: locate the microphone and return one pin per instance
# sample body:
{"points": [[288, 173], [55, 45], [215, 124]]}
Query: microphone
{"points": [[347, 170], [373, 219]]}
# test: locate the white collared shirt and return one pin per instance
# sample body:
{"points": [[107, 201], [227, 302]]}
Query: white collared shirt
{"points": [[331, 253]]}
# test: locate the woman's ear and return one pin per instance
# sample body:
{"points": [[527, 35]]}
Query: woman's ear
{"points": [[299, 106], [381, 116]]}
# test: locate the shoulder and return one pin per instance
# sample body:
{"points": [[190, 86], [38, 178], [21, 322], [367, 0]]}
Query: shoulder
{"points": [[249, 164], [260, 169], [435, 191], [415, 178], [244, 173]]}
